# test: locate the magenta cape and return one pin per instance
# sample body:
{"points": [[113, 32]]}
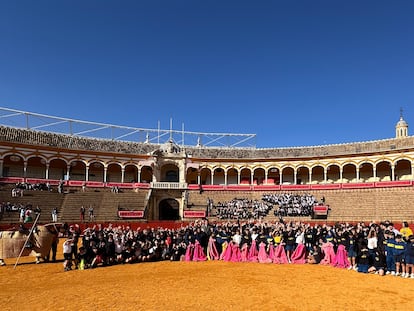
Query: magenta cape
{"points": [[198, 254], [245, 252], [212, 252], [271, 251], [262, 256], [253, 253], [235, 253], [227, 251], [341, 258], [299, 255], [280, 255], [329, 254], [189, 252]]}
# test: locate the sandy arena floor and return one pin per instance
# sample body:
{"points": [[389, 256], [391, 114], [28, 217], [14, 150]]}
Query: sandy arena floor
{"points": [[199, 286]]}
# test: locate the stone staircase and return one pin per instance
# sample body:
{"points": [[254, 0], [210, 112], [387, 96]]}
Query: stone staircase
{"points": [[70, 211], [45, 200], [105, 204]]}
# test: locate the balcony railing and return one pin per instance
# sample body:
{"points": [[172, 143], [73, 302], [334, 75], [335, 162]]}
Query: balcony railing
{"points": [[169, 185]]}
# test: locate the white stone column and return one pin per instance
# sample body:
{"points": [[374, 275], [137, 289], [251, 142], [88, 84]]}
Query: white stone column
{"points": [[295, 177], [238, 177], [225, 178], [325, 175], [87, 173], [25, 169], [122, 174], [68, 172], [139, 175], [392, 172], [341, 171], [105, 173], [266, 174], [47, 171], [212, 178], [357, 174]]}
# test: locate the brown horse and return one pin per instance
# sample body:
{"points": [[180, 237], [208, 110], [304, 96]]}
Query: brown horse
{"points": [[12, 243]]}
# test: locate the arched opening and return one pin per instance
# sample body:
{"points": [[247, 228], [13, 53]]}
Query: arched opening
{"points": [[192, 176], [169, 210], [57, 169], [170, 173], [77, 170], [218, 176], [13, 166], [245, 176], [113, 173], [332, 174], [349, 173], [258, 176], [130, 174], [232, 176], [366, 172], [317, 174], [273, 176], [302, 175], [36, 168], [205, 176], [96, 172], [288, 176], [402, 170], [146, 174], [384, 171]]}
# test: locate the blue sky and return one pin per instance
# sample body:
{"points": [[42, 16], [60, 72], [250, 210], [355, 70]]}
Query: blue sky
{"points": [[296, 73]]}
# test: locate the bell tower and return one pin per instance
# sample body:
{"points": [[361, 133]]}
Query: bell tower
{"points": [[401, 129]]}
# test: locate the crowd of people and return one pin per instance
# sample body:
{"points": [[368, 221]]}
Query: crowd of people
{"points": [[285, 204], [291, 204], [25, 212], [10, 207], [366, 248], [20, 187], [241, 209]]}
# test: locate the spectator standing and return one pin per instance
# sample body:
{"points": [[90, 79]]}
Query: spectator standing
{"points": [[54, 214], [405, 231], [67, 254], [82, 213], [60, 186], [28, 216], [91, 215], [22, 213]]}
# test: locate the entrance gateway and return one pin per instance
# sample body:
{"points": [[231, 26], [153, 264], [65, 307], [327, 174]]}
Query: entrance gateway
{"points": [[169, 209]]}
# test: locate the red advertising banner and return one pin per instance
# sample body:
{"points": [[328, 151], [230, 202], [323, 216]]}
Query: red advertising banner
{"points": [[131, 214], [120, 185], [194, 214], [320, 209], [11, 180]]}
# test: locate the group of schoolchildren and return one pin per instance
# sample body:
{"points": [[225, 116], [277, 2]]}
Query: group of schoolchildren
{"points": [[367, 248]]}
